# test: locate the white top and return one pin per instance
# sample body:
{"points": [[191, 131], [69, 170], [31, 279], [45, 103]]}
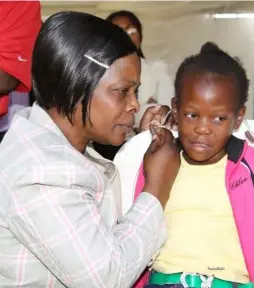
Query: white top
{"points": [[156, 83]]}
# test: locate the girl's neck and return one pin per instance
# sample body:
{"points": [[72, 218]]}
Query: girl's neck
{"points": [[213, 160]]}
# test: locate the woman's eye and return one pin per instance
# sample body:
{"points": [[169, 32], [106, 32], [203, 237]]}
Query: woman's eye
{"points": [[191, 115], [137, 92], [123, 92]]}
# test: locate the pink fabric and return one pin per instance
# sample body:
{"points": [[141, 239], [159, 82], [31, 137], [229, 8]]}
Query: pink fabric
{"points": [[140, 182], [143, 279], [241, 193]]}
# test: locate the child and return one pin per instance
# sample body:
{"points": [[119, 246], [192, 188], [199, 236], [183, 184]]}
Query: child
{"points": [[210, 213]]}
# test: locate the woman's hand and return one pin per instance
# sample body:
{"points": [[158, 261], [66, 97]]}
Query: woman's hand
{"points": [[155, 115], [161, 164]]}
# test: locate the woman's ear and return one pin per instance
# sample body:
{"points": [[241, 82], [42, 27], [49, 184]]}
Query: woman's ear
{"points": [[240, 116], [174, 109]]}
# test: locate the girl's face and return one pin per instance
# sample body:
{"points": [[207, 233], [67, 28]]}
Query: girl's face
{"points": [[207, 113], [129, 28]]}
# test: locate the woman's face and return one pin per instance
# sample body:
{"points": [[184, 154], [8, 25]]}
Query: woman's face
{"points": [[129, 28], [114, 102]]}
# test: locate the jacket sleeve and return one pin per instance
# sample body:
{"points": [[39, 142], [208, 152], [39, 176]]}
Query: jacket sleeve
{"points": [[59, 221], [20, 24]]}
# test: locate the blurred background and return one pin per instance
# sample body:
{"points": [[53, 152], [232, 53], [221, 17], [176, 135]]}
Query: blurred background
{"points": [[175, 29]]}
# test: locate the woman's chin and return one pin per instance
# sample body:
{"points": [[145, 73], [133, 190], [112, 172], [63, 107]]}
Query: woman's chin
{"points": [[118, 140]]}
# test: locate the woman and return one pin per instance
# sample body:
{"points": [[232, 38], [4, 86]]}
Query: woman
{"points": [[60, 212], [156, 84]]}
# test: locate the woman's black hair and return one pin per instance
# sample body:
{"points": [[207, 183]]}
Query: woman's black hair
{"points": [[212, 59], [63, 73], [135, 22]]}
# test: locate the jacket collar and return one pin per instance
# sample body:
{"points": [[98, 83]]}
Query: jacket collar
{"points": [[235, 148]]}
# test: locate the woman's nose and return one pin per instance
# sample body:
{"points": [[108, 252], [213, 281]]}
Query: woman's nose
{"points": [[133, 104]]}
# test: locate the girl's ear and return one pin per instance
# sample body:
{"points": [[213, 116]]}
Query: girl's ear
{"points": [[240, 116]]}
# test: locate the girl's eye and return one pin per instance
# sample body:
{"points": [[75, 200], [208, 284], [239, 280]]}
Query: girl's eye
{"points": [[220, 119], [191, 115]]}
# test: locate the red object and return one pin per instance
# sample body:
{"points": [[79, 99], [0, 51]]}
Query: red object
{"points": [[20, 24]]}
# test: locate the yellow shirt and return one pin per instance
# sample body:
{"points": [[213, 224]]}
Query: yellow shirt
{"points": [[202, 235]]}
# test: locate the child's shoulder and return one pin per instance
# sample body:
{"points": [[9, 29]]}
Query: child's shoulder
{"points": [[249, 155], [249, 149]]}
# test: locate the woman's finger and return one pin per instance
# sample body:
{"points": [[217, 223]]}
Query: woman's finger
{"points": [[157, 112], [148, 116], [153, 131]]}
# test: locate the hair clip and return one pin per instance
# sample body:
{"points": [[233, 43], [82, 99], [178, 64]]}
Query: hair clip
{"points": [[96, 61]]}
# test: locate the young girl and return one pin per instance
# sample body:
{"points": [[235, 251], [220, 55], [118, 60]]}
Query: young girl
{"points": [[210, 214]]}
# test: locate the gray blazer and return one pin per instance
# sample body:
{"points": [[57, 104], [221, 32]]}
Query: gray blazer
{"points": [[60, 219]]}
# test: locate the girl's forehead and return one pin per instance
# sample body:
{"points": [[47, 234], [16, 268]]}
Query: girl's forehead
{"points": [[207, 82], [209, 89]]}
